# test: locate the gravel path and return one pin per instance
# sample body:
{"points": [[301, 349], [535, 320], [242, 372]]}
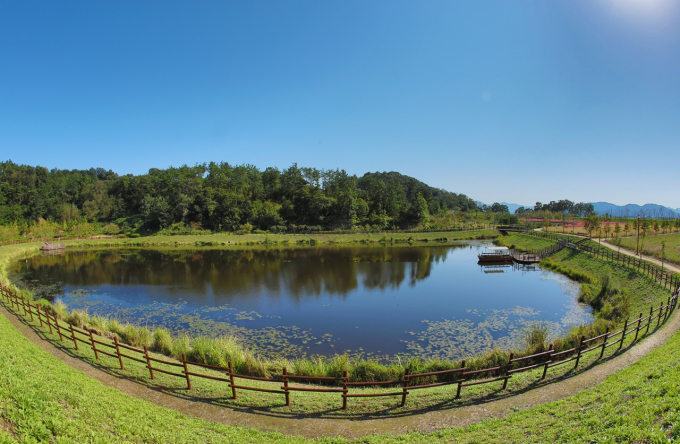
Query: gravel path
{"points": [[353, 428]]}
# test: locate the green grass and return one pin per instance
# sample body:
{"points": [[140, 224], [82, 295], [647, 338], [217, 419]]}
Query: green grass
{"points": [[650, 245], [641, 292], [43, 399], [524, 242]]}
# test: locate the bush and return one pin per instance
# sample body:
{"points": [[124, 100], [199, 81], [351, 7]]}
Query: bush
{"points": [[535, 335], [162, 341], [111, 229]]}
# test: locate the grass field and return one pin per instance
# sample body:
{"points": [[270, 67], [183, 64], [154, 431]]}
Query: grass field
{"points": [[42, 399], [651, 246]]}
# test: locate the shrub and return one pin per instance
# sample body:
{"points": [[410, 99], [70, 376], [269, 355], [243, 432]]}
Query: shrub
{"points": [[111, 229], [162, 341], [535, 335]]}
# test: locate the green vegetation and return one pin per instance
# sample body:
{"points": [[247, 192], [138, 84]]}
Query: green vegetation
{"points": [[652, 245], [524, 242], [43, 399], [216, 197]]}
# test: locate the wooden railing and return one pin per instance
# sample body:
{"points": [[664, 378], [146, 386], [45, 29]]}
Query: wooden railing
{"points": [[282, 383]]}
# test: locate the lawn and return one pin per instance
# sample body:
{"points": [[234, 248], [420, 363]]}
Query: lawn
{"points": [[651, 245]]}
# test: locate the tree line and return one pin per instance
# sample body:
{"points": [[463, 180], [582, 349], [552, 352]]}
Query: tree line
{"points": [[222, 197]]}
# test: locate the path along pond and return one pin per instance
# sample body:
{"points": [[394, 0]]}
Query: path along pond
{"points": [[377, 302]]}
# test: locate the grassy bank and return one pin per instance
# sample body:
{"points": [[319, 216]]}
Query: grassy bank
{"points": [[228, 240], [43, 399]]}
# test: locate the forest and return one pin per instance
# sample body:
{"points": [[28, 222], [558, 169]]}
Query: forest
{"points": [[219, 197]]}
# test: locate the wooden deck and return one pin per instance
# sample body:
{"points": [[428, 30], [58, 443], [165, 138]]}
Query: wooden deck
{"points": [[526, 258]]}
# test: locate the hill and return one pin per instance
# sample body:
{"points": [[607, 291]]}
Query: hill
{"points": [[631, 210], [220, 197]]}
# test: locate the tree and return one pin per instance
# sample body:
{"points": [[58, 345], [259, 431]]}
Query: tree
{"points": [[418, 213], [156, 211], [498, 208]]}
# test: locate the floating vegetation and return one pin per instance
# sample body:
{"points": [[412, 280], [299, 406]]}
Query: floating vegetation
{"points": [[451, 339]]}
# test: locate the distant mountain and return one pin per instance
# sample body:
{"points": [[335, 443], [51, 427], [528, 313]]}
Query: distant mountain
{"points": [[631, 210]]}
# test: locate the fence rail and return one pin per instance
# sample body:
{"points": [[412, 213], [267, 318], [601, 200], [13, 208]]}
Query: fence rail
{"points": [[281, 383], [664, 277]]}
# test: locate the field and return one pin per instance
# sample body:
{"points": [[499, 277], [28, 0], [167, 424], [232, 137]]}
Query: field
{"points": [[651, 246]]}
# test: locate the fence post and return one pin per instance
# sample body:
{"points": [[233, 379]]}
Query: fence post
{"points": [[668, 306], [507, 368], [407, 372], [23, 305], [49, 322], [623, 334], [285, 386], [30, 311], [73, 336], [186, 371], [637, 329], [460, 381], [344, 389], [37, 306], [120, 358], [578, 355], [604, 344], [96, 355], [658, 320], [148, 362], [545, 369], [56, 322], [651, 311], [231, 378]]}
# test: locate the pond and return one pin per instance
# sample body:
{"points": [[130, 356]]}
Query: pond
{"points": [[372, 301]]}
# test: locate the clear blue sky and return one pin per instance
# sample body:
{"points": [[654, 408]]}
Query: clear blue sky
{"points": [[513, 101]]}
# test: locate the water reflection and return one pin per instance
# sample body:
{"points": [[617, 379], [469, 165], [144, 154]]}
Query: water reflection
{"points": [[432, 300], [301, 273]]}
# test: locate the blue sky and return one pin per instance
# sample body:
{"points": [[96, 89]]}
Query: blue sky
{"points": [[518, 101]]}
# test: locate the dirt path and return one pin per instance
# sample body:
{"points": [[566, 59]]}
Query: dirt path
{"points": [[654, 260], [352, 428], [627, 252]]}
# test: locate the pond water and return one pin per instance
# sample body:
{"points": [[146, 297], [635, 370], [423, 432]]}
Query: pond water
{"points": [[375, 301]]}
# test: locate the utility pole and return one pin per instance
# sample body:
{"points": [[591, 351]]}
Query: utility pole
{"points": [[637, 245]]}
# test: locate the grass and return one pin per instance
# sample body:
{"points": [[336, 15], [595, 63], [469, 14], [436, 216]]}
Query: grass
{"points": [[650, 245], [524, 242], [43, 399]]}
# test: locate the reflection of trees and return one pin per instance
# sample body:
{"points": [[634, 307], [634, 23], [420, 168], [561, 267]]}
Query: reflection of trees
{"points": [[300, 272]]}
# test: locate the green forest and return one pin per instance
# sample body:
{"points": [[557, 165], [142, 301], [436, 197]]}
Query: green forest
{"points": [[218, 197]]}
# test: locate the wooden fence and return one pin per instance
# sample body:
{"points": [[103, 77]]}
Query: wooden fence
{"points": [[285, 383], [664, 277]]}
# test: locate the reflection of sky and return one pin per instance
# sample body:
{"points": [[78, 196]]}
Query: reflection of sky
{"points": [[364, 302]]}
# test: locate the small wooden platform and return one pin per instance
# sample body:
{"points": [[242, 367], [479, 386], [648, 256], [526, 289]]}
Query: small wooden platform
{"points": [[526, 258]]}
